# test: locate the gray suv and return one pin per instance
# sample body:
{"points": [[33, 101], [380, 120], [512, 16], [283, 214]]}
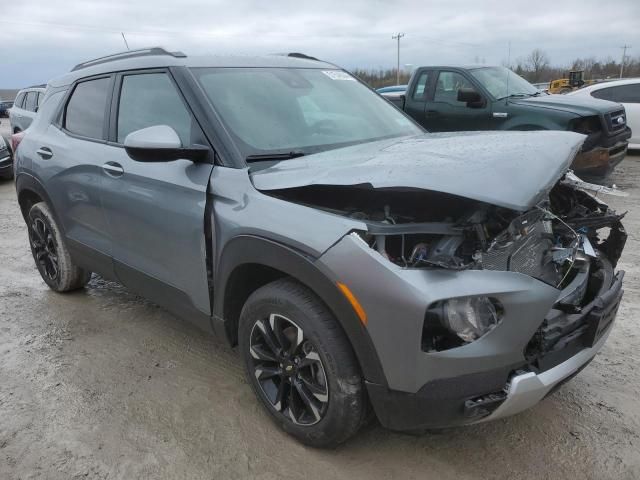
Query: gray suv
{"points": [[25, 108], [359, 263]]}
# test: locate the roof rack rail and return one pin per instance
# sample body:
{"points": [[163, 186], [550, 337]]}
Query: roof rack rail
{"points": [[42, 85], [142, 52], [301, 55]]}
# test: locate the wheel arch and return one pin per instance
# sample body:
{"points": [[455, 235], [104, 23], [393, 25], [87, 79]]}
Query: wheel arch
{"points": [[30, 191], [249, 262]]}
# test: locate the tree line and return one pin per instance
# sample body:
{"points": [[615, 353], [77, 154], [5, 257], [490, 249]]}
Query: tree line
{"points": [[535, 67]]}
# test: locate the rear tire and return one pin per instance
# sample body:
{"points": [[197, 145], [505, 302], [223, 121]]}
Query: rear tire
{"points": [[50, 253], [301, 365]]}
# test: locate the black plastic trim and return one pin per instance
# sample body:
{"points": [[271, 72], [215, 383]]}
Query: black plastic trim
{"points": [[439, 403], [247, 249]]}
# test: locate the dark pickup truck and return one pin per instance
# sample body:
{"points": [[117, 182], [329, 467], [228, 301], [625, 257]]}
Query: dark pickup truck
{"points": [[445, 99]]}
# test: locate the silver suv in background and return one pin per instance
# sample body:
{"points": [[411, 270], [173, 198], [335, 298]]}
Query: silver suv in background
{"points": [[354, 259], [25, 107]]}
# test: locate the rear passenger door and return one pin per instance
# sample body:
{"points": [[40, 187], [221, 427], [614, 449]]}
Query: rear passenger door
{"points": [[69, 157], [156, 211]]}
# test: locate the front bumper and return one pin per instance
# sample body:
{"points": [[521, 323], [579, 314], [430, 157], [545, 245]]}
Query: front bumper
{"points": [[527, 389], [599, 160], [492, 377]]}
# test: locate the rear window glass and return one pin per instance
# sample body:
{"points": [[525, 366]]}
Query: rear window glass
{"points": [[19, 100], [30, 104], [85, 112]]}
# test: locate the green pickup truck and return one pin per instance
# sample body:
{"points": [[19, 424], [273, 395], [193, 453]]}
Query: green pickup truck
{"points": [[445, 99]]}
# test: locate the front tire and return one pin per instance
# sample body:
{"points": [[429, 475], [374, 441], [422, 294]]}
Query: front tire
{"points": [[50, 253], [300, 364]]}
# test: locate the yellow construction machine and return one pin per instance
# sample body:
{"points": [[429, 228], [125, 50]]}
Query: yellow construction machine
{"points": [[563, 85]]}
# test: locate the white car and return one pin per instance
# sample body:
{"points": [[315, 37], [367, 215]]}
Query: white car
{"points": [[626, 92]]}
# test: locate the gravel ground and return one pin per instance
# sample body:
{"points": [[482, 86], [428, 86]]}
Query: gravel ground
{"points": [[102, 384]]}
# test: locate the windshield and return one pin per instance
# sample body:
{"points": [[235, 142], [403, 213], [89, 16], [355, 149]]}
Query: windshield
{"points": [[494, 79], [281, 110]]}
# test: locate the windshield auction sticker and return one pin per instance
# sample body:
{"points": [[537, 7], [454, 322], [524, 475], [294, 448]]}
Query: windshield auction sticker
{"points": [[338, 75]]}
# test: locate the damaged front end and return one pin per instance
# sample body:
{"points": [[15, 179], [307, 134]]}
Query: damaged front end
{"points": [[570, 240]]}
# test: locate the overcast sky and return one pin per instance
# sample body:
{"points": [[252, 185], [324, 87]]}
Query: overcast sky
{"points": [[40, 39]]}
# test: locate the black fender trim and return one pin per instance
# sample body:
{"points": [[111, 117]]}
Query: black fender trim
{"points": [[25, 181], [247, 249]]}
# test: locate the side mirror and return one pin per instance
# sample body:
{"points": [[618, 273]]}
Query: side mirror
{"points": [[161, 143], [471, 97]]}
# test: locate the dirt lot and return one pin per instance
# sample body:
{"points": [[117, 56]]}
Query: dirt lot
{"points": [[102, 384]]}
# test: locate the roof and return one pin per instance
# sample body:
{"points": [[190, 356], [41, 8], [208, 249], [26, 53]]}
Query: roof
{"points": [[460, 67], [37, 88], [152, 60]]}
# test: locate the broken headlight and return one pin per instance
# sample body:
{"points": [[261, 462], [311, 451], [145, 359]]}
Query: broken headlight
{"points": [[467, 317]]}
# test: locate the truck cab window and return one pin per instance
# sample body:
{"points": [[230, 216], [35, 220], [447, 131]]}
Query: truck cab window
{"points": [[447, 88]]}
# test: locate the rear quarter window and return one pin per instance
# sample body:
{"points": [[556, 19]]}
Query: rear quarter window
{"points": [[19, 100]]}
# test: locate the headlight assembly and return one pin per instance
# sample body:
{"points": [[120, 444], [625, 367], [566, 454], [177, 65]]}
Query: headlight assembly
{"points": [[453, 322]]}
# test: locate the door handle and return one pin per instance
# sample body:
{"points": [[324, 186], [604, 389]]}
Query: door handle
{"points": [[432, 113], [45, 153], [113, 169]]}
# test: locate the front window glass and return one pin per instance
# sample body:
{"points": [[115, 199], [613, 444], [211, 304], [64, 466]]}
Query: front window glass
{"points": [[151, 99], [279, 110], [502, 82], [447, 88]]}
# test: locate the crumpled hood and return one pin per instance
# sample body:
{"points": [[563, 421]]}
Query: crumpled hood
{"points": [[584, 107], [508, 169]]}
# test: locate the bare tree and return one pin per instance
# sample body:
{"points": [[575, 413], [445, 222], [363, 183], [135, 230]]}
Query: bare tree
{"points": [[537, 63]]}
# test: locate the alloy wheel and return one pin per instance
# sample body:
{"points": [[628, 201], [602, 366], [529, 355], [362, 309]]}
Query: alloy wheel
{"points": [[289, 370], [44, 248]]}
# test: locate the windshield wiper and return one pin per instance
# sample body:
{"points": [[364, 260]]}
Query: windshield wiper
{"points": [[274, 156], [519, 95]]}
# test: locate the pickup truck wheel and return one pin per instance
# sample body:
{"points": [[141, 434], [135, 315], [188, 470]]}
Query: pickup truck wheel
{"points": [[300, 364], [50, 253]]}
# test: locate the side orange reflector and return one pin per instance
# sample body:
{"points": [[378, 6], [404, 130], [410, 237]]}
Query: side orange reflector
{"points": [[354, 302]]}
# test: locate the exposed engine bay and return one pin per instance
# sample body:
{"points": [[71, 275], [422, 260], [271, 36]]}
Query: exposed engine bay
{"points": [[570, 240], [425, 229]]}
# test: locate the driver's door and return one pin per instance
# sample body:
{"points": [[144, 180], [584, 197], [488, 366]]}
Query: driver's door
{"points": [[444, 113], [155, 211]]}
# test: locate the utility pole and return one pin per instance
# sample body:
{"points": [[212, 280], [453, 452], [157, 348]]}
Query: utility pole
{"points": [[397, 37], [624, 57]]}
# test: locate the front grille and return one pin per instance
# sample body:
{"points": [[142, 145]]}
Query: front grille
{"points": [[616, 121]]}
